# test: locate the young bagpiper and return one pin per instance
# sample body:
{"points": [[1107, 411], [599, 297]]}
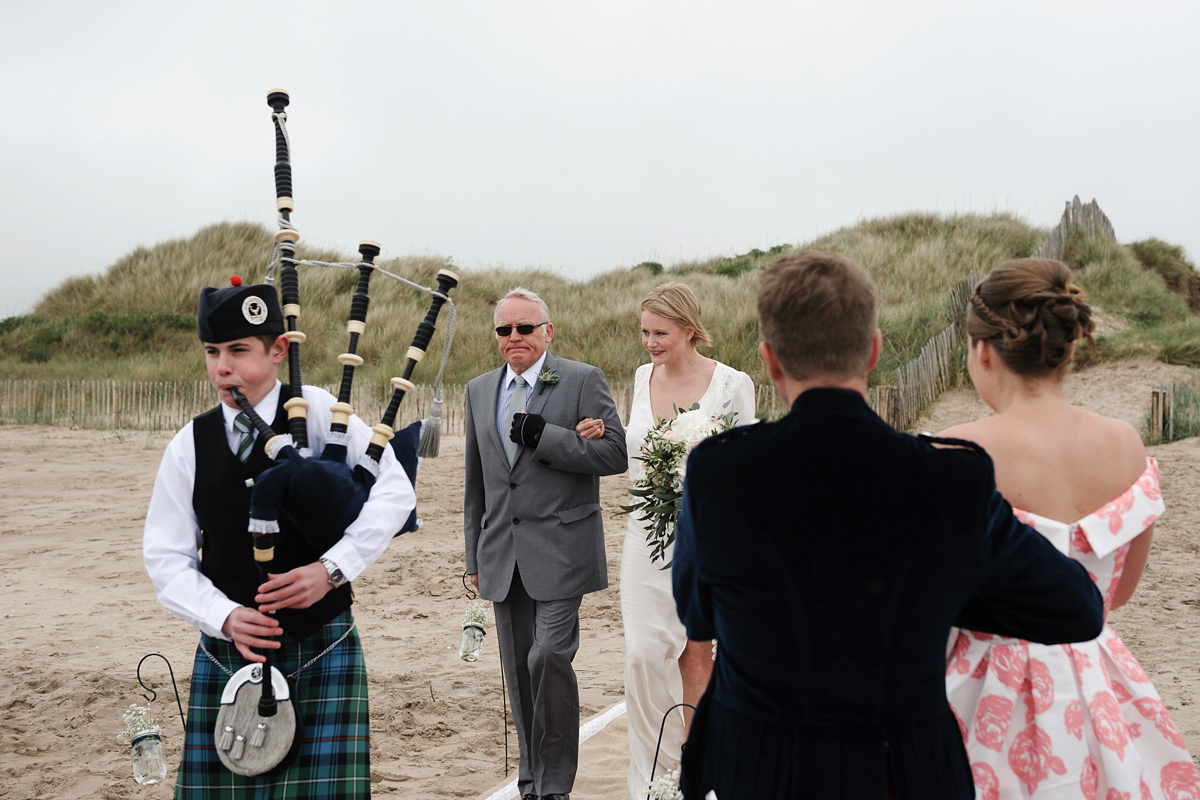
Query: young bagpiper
{"points": [[199, 554]]}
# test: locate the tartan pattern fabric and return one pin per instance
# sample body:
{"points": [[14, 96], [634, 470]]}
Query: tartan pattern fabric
{"points": [[331, 698]]}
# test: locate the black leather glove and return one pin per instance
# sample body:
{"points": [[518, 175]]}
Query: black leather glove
{"points": [[527, 429]]}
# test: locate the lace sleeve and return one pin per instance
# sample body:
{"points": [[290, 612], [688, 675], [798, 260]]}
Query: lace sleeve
{"points": [[735, 392], [640, 378]]}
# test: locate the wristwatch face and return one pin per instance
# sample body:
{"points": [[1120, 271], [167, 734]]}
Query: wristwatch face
{"points": [[336, 578]]}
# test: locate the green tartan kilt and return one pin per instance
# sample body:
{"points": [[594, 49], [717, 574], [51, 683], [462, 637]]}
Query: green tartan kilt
{"points": [[331, 698]]}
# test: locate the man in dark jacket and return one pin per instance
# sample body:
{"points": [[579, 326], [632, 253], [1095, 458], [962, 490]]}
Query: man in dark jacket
{"points": [[829, 556]]}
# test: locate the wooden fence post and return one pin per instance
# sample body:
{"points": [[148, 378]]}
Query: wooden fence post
{"points": [[1157, 405]]}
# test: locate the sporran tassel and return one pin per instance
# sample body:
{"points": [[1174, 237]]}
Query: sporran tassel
{"points": [[259, 736], [225, 740], [239, 746]]}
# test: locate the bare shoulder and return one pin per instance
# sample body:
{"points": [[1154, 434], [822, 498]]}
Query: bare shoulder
{"points": [[983, 432], [1119, 439]]}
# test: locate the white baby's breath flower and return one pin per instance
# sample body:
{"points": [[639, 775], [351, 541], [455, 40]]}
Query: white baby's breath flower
{"points": [[665, 787], [137, 719], [475, 614]]}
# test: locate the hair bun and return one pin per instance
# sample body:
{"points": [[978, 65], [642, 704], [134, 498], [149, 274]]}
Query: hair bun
{"points": [[1032, 313]]}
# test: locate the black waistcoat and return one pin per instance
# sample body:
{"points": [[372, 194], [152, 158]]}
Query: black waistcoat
{"points": [[221, 501]]}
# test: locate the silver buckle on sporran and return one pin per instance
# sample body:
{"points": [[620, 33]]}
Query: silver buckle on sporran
{"points": [[249, 743]]}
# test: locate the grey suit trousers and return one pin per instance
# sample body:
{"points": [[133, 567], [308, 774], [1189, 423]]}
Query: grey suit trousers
{"points": [[538, 640]]}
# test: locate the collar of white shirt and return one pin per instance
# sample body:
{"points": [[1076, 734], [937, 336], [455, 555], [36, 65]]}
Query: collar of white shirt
{"points": [[265, 408], [529, 375]]}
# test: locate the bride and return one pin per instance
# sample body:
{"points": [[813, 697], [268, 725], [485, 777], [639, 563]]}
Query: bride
{"points": [[663, 668]]}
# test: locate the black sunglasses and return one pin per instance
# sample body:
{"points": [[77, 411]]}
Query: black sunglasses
{"points": [[524, 330]]}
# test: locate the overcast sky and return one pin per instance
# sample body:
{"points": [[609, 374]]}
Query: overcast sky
{"points": [[582, 136]]}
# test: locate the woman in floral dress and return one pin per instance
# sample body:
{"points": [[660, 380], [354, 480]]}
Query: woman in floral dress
{"points": [[1061, 721]]}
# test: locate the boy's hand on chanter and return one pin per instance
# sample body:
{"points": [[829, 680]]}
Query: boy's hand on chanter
{"points": [[248, 628], [297, 588]]}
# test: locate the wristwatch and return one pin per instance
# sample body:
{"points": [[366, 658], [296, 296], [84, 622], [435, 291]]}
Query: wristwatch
{"points": [[336, 578]]}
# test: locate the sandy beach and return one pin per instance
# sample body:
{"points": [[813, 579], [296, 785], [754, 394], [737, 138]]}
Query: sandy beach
{"points": [[79, 612]]}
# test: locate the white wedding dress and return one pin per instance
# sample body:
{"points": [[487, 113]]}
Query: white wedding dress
{"points": [[654, 636]]}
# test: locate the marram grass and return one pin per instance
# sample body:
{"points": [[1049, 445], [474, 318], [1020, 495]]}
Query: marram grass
{"points": [[136, 319]]}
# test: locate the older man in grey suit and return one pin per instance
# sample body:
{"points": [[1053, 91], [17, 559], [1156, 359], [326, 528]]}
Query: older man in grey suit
{"points": [[540, 432]]}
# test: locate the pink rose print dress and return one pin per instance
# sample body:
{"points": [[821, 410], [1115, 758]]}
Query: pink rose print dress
{"points": [[1077, 720]]}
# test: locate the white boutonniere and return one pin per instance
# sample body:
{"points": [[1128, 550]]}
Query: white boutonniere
{"points": [[546, 378]]}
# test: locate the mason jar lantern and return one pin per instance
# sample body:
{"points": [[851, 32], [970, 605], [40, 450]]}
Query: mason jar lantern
{"points": [[149, 758], [471, 645]]}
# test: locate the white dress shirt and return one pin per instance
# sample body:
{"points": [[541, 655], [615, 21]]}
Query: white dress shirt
{"points": [[530, 377], [171, 542]]}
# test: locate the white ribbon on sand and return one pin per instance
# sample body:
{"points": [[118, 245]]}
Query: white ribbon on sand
{"points": [[587, 731]]}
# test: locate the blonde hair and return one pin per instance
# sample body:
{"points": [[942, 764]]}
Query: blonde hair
{"points": [[676, 302]]}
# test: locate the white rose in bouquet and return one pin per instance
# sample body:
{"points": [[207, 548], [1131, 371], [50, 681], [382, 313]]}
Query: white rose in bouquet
{"points": [[691, 427]]}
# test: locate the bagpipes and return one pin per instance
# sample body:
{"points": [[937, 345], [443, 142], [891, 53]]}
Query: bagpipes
{"points": [[318, 497]]}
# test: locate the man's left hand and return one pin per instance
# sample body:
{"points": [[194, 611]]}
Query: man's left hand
{"points": [[527, 429], [297, 588]]}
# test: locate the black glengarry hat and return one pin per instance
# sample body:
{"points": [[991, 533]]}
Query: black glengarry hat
{"points": [[237, 312]]}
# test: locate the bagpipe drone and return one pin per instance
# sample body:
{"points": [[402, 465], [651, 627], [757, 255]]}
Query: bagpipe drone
{"points": [[317, 496]]}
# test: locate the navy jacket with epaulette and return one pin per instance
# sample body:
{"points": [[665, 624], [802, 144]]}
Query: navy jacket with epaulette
{"points": [[829, 555]]}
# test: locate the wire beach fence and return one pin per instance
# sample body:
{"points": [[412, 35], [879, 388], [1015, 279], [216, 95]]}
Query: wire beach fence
{"points": [[168, 405]]}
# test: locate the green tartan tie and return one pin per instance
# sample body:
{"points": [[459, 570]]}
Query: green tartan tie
{"points": [[242, 423]]}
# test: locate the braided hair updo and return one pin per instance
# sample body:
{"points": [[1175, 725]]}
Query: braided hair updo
{"points": [[1031, 313]]}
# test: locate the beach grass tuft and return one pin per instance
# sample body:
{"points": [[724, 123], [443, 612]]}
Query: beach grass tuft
{"points": [[136, 319]]}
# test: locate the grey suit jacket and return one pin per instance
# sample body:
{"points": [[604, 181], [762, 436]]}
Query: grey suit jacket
{"points": [[543, 513]]}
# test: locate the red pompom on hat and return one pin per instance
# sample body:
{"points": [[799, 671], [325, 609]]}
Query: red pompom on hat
{"points": [[234, 280]]}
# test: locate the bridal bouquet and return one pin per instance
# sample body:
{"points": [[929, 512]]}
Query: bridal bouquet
{"points": [[660, 490]]}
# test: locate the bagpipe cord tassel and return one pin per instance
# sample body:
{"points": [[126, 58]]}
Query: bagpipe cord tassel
{"points": [[431, 431]]}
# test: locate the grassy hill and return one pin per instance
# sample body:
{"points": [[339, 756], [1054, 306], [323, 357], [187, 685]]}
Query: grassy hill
{"points": [[137, 319]]}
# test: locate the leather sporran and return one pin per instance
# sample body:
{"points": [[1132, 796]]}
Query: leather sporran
{"points": [[249, 743]]}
